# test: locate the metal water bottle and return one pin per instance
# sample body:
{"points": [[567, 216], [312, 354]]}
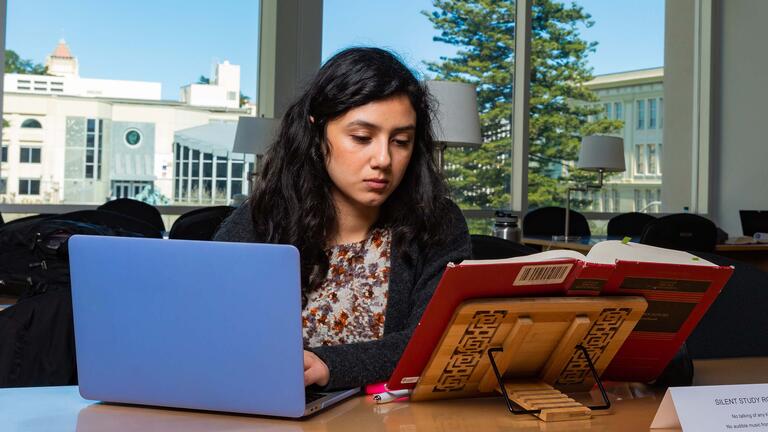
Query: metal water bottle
{"points": [[505, 226]]}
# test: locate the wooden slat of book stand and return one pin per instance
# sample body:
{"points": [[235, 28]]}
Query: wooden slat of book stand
{"points": [[538, 337]]}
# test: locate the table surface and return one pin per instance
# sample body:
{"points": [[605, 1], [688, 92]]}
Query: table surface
{"points": [[62, 409]]}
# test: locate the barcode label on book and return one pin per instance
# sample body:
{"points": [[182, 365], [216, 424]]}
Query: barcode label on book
{"points": [[543, 274]]}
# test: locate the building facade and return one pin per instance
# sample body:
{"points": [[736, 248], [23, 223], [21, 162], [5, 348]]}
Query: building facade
{"points": [[69, 139], [637, 99]]}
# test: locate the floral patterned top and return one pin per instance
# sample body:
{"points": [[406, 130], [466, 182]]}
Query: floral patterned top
{"points": [[350, 304]]}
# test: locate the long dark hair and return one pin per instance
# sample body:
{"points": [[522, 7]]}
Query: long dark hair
{"points": [[292, 201]]}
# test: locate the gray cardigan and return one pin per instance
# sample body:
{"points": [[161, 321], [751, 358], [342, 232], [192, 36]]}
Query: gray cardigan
{"points": [[411, 285]]}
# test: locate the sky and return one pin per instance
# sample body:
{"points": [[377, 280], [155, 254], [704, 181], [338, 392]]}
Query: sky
{"points": [[174, 42]]}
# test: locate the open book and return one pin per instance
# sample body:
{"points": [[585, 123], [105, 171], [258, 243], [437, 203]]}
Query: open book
{"points": [[679, 288]]}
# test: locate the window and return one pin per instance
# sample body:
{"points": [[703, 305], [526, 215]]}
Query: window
{"points": [[651, 113], [4, 154], [639, 159], [231, 95], [638, 201], [641, 114], [29, 187], [648, 198], [658, 158], [29, 155], [661, 113], [31, 124], [618, 111], [616, 200], [3, 185], [607, 109], [94, 145], [652, 159]]}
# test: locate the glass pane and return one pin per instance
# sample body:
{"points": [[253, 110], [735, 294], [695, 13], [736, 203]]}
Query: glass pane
{"points": [[195, 169], [221, 170], [609, 102], [237, 170], [91, 127], [24, 155], [237, 187], [36, 155], [90, 140], [207, 169], [89, 171]]}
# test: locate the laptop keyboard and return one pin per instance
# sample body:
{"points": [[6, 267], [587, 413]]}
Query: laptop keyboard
{"points": [[312, 396]]}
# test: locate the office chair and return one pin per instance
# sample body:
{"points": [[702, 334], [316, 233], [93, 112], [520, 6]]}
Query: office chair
{"points": [[681, 231], [628, 224], [137, 210], [490, 247], [549, 221], [199, 224]]}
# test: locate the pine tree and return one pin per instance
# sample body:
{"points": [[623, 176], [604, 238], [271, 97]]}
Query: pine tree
{"points": [[560, 104]]}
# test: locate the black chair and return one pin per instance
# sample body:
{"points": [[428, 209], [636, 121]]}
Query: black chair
{"points": [[137, 210], [549, 221], [199, 224], [681, 231], [628, 224], [489, 247]]}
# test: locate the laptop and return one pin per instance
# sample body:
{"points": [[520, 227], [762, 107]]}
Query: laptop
{"points": [[753, 221], [191, 324]]}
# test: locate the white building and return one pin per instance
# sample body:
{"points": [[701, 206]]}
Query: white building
{"points": [[637, 99], [78, 140]]}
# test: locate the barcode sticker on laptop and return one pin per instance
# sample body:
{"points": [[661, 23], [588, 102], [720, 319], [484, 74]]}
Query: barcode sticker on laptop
{"points": [[543, 274]]}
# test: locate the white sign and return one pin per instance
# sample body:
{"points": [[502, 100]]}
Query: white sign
{"points": [[714, 408]]}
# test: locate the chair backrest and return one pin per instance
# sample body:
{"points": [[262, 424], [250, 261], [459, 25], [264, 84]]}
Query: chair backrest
{"points": [[681, 231], [547, 221], [628, 224], [490, 247], [137, 210], [199, 224]]}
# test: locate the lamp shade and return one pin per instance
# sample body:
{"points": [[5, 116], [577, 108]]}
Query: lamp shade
{"points": [[458, 122], [255, 134], [601, 153]]}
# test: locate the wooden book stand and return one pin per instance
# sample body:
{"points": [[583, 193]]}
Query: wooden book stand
{"points": [[524, 347]]}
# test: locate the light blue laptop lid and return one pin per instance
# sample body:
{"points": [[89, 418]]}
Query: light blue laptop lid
{"points": [[188, 324]]}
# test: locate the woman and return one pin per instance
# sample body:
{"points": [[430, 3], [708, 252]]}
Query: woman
{"points": [[351, 182]]}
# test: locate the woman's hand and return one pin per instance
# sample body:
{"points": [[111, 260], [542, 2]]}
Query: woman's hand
{"points": [[315, 370]]}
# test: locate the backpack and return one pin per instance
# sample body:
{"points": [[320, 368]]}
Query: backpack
{"points": [[34, 256], [37, 334]]}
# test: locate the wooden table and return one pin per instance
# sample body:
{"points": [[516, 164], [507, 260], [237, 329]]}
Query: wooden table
{"points": [[62, 409], [754, 254]]}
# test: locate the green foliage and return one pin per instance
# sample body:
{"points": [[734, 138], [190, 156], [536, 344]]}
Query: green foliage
{"points": [[16, 64], [203, 80], [244, 99], [560, 104]]}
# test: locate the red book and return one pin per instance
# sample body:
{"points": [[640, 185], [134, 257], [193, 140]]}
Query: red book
{"points": [[678, 286]]}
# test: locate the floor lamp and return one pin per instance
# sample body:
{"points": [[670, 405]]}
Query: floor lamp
{"points": [[600, 153], [253, 136], [457, 122]]}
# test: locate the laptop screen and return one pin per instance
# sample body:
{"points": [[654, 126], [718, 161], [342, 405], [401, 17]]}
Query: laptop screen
{"points": [[753, 221]]}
